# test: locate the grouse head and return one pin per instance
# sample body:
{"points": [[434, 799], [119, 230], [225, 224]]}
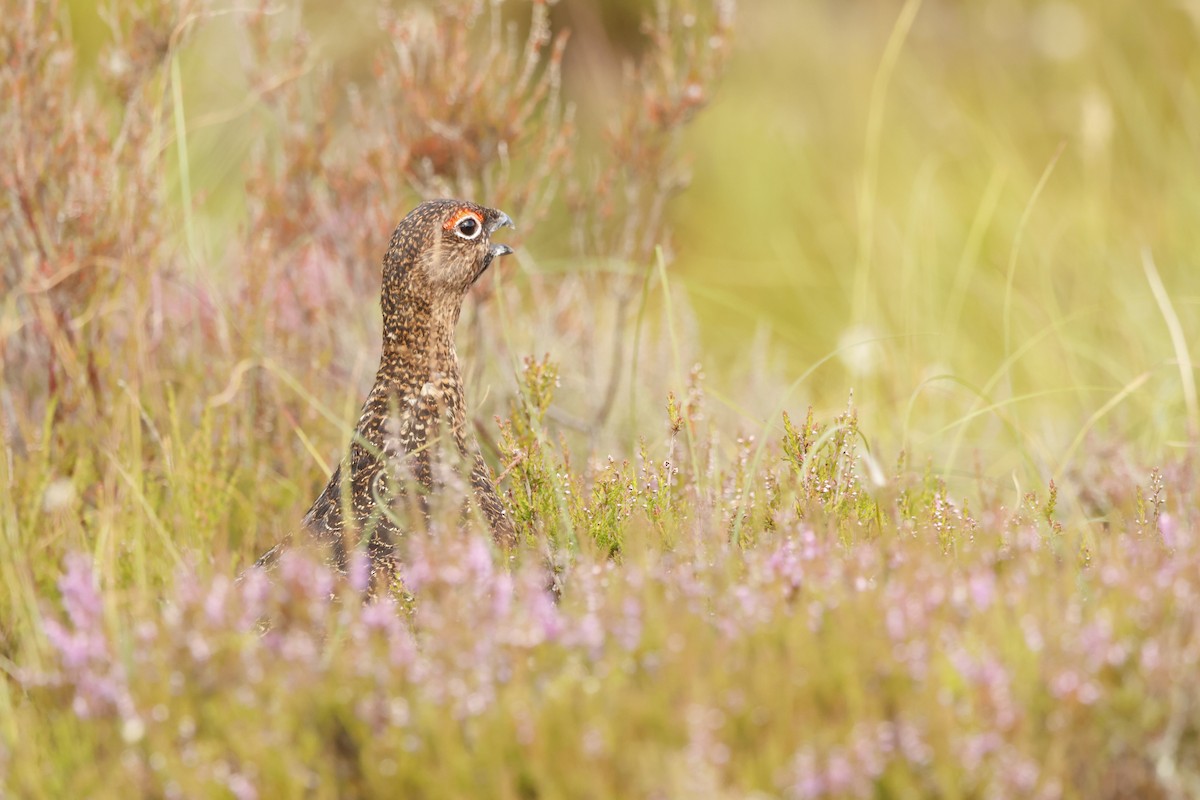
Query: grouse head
{"points": [[442, 247]]}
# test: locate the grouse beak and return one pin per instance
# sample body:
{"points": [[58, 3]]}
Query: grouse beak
{"points": [[502, 220]]}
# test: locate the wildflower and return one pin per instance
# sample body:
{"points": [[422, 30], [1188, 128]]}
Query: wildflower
{"points": [[1168, 529], [359, 571], [83, 649]]}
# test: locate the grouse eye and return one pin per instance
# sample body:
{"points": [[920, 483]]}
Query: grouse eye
{"points": [[468, 227]]}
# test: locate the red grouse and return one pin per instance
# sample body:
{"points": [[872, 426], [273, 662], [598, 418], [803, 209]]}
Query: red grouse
{"points": [[436, 253]]}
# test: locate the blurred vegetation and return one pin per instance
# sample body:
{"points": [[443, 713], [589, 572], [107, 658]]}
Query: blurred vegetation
{"points": [[977, 221], [972, 196], [979, 190]]}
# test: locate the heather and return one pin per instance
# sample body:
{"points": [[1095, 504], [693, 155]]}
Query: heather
{"points": [[841, 393]]}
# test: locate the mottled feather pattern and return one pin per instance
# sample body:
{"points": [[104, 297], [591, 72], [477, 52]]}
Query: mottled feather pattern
{"points": [[417, 398]]}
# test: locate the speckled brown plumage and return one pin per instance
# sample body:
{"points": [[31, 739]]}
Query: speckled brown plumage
{"points": [[417, 399]]}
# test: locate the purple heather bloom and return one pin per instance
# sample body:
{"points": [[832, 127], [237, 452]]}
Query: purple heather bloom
{"points": [[912, 745], [787, 563], [83, 649], [629, 629], [977, 747], [982, 585], [1168, 529], [896, 625], [255, 589], [217, 600], [807, 780], [479, 561], [241, 787], [1065, 684], [839, 774], [78, 588], [502, 595], [546, 615], [589, 632], [416, 571], [380, 615], [359, 571]]}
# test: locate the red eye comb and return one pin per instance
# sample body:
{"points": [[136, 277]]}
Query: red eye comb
{"points": [[459, 216]]}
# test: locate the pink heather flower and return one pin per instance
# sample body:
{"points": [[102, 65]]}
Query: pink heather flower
{"points": [[198, 647], [380, 614], [402, 649], [885, 739], [839, 774], [912, 745], [294, 568], [83, 649], [629, 630], [590, 632], [935, 597], [241, 787], [78, 589], [810, 546], [1151, 656], [416, 571], [1051, 790], [398, 714], [255, 588], [480, 700], [914, 655], [359, 571], [1032, 634], [1110, 575], [1088, 693], [807, 782], [298, 648], [1168, 529], [895, 622], [322, 584], [816, 616], [787, 564], [704, 746], [145, 632], [750, 603], [216, 601], [479, 560], [546, 615], [916, 615], [75, 649], [1026, 539], [305, 288], [306, 581], [1095, 640], [382, 617], [982, 585], [592, 743], [1064, 684], [976, 747], [502, 595], [864, 752], [1021, 776]]}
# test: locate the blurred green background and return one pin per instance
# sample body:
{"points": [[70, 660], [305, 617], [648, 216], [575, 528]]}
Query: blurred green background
{"points": [[860, 180], [957, 210]]}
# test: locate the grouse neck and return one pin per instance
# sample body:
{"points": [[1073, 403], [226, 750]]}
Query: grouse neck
{"points": [[418, 337]]}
